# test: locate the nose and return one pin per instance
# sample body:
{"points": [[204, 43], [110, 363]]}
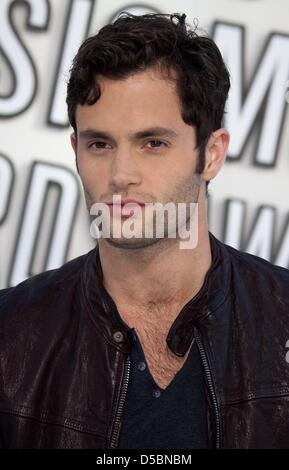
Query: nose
{"points": [[124, 171]]}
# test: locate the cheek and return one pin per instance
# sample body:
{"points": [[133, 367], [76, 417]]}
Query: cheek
{"points": [[93, 177], [86, 176], [173, 171]]}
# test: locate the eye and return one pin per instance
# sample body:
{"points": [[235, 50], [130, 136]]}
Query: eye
{"points": [[157, 142], [97, 145]]}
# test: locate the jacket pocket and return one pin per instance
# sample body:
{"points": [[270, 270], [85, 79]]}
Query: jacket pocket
{"points": [[257, 423], [20, 431]]}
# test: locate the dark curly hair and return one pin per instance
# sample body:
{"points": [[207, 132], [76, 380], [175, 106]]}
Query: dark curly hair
{"points": [[133, 43]]}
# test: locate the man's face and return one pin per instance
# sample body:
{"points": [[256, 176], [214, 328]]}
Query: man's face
{"points": [[134, 143]]}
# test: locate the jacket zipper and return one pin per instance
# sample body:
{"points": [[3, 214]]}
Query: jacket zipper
{"points": [[117, 421], [210, 385]]}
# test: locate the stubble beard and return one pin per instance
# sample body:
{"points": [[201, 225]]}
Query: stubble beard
{"points": [[185, 192]]}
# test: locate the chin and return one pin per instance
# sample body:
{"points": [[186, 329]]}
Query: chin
{"points": [[132, 243]]}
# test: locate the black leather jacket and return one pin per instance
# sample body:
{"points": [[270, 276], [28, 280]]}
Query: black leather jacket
{"points": [[64, 356]]}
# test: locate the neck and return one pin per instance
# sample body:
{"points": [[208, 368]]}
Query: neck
{"points": [[159, 276]]}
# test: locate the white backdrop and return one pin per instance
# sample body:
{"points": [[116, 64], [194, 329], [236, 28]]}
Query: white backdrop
{"points": [[43, 219]]}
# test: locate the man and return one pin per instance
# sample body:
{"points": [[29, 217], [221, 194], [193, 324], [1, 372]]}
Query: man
{"points": [[139, 343]]}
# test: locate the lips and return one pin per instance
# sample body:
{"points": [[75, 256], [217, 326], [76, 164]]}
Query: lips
{"points": [[127, 201], [127, 208]]}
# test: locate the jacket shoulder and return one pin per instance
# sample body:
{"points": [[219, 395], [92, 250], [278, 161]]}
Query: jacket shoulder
{"points": [[248, 262], [258, 280], [41, 290]]}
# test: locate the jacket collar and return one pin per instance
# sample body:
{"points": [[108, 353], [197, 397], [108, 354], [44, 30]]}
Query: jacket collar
{"points": [[103, 311], [210, 297]]}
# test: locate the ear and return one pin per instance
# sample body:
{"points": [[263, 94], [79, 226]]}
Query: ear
{"points": [[216, 150], [73, 140]]}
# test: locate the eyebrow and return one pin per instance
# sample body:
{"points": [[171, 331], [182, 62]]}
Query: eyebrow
{"points": [[150, 132]]}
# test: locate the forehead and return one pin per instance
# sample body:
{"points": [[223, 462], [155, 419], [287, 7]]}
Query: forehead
{"points": [[146, 98], [154, 79]]}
